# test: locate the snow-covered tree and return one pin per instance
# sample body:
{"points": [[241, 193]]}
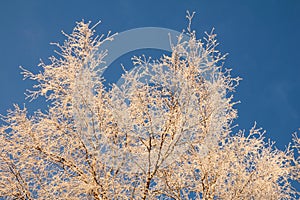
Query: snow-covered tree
{"points": [[165, 133]]}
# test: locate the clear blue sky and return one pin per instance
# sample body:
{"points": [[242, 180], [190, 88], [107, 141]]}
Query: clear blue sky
{"points": [[261, 37]]}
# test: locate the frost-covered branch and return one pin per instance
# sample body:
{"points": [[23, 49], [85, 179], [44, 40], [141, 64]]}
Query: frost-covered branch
{"points": [[165, 133]]}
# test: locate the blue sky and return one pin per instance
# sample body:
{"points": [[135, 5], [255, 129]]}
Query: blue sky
{"points": [[261, 37]]}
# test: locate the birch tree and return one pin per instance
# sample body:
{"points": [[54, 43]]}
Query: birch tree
{"points": [[165, 133]]}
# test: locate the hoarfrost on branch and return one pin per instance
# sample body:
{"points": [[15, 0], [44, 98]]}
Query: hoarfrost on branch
{"points": [[165, 133]]}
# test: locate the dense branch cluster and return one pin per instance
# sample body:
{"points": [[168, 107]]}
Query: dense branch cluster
{"points": [[165, 133]]}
